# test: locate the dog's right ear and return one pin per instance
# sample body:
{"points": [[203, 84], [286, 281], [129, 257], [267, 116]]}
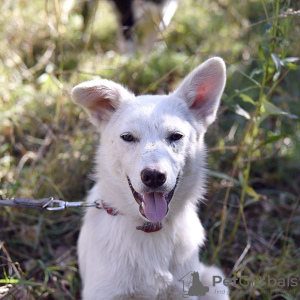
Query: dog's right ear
{"points": [[100, 98]]}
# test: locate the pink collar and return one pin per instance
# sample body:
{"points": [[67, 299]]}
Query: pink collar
{"points": [[146, 227]]}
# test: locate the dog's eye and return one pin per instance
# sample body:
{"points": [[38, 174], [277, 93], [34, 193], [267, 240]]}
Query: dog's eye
{"points": [[175, 136], [127, 137]]}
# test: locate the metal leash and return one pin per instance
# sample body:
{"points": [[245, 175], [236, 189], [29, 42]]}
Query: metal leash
{"points": [[46, 203]]}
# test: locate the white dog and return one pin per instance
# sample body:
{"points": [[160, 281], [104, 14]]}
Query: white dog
{"points": [[150, 176]]}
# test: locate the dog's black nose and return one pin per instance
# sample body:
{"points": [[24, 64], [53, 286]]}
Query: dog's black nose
{"points": [[153, 178]]}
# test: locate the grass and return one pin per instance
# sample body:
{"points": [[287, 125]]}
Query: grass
{"points": [[46, 143]]}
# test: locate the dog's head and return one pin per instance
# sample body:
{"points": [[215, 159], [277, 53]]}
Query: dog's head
{"points": [[152, 146]]}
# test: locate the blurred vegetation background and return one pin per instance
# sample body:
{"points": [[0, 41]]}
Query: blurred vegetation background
{"points": [[47, 144]]}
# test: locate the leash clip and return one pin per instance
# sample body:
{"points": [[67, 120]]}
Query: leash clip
{"points": [[60, 204], [57, 204]]}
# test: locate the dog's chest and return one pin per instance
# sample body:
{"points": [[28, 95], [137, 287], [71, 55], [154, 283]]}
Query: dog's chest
{"points": [[148, 270], [139, 262]]}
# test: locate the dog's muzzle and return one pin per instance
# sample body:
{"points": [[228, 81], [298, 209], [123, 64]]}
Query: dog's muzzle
{"points": [[153, 206]]}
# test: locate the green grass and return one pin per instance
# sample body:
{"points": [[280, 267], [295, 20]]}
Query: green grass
{"points": [[47, 144]]}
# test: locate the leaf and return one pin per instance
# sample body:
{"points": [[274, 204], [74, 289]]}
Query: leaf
{"points": [[273, 109], [273, 139], [276, 75], [266, 27], [276, 60], [222, 176], [291, 66], [246, 98], [19, 281], [250, 201], [251, 192], [255, 71], [261, 54], [248, 189], [4, 147], [266, 48], [240, 111], [290, 60]]}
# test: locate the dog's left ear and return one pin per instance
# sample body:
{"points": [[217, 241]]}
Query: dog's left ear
{"points": [[202, 89]]}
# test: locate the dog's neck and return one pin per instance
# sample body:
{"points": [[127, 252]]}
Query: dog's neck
{"points": [[146, 227]]}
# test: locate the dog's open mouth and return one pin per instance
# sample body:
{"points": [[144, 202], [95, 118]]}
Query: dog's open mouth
{"points": [[153, 206]]}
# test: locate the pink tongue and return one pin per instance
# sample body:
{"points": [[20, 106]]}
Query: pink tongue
{"points": [[156, 206]]}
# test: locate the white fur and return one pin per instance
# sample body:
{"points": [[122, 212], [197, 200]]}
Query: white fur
{"points": [[116, 260]]}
